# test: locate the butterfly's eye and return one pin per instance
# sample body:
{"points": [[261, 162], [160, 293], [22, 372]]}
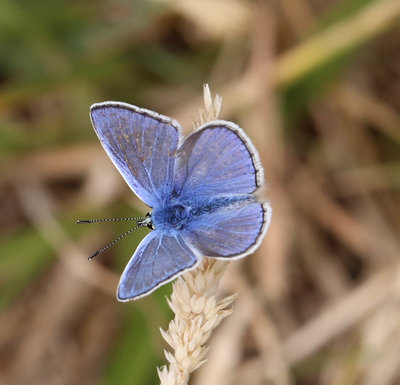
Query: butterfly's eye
{"points": [[148, 222]]}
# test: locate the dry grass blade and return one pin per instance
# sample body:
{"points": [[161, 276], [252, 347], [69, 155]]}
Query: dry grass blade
{"points": [[343, 314], [37, 205], [335, 40], [197, 314], [193, 300]]}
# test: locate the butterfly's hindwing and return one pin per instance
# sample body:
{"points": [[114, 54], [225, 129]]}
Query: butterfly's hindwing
{"points": [[159, 258]]}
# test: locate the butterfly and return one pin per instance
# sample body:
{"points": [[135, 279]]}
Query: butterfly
{"points": [[201, 190]]}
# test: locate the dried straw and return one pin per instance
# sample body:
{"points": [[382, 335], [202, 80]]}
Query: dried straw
{"points": [[197, 312]]}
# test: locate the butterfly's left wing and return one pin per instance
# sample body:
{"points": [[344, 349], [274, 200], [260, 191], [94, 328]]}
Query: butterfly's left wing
{"points": [[159, 258], [141, 144]]}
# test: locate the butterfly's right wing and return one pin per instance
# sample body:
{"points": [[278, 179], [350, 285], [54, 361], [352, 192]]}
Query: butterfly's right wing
{"points": [[142, 145], [219, 160], [159, 258]]}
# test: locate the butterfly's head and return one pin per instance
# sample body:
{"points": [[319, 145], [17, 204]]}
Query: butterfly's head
{"points": [[147, 221]]}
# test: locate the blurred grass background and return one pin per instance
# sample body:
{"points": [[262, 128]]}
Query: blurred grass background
{"points": [[316, 85]]}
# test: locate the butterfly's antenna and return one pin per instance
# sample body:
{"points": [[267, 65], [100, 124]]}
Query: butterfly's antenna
{"points": [[109, 220], [115, 241]]}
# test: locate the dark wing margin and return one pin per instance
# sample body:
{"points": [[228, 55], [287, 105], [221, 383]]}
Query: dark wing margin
{"points": [[142, 145]]}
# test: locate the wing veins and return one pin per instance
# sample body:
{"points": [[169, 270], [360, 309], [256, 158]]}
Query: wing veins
{"points": [[146, 171], [152, 158]]}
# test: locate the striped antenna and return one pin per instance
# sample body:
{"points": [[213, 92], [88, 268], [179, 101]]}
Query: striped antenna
{"points": [[109, 220], [115, 241]]}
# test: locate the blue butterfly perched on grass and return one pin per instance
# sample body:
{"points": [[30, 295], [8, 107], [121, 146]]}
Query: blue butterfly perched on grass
{"points": [[201, 191]]}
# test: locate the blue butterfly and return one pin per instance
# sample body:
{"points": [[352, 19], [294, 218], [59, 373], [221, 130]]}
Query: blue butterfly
{"points": [[201, 191]]}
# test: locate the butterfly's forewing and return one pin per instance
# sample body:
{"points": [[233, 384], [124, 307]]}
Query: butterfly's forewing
{"points": [[159, 258], [220, 160], [141, 144]]}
